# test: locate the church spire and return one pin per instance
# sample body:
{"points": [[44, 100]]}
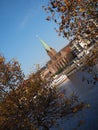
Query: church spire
{"points": [[44, 44], [50, 51]]}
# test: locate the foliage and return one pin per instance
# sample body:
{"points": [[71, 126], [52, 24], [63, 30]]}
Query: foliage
{"points": [[11, 76], [90, 67], [31, 104], [74, 17], [93, 59]]}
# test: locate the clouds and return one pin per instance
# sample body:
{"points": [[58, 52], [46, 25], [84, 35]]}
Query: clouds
{"points": [[25, 20], [32, 14]]}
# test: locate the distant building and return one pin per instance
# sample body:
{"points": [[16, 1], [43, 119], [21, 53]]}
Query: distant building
{"points": [[62, 59], [79, 47], [58, 60]]}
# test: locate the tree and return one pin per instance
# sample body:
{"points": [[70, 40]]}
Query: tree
{"points": [[11, 76], [74, 18], [31, 103]]}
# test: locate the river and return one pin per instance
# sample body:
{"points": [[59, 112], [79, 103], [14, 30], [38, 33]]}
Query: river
{"points": [[82, 84]]}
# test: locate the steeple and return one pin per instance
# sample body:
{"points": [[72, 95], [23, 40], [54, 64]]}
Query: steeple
{"points": [[44, 44], [50, 51]]}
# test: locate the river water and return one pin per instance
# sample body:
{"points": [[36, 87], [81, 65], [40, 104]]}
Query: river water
{"points": [[83, 85]]}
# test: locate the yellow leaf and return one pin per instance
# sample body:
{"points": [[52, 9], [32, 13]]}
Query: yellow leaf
{"points": [[82, 10]]}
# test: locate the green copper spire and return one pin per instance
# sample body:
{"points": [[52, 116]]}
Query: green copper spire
{"points": [[44, 44]]}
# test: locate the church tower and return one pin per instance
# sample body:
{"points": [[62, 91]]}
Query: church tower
{"points": [[50, 51]]}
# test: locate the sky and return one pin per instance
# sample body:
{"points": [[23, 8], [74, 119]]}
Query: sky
{"points": [[20, 22]]}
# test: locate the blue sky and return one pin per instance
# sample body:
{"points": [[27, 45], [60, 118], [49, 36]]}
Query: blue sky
{"points": [[20, 22]]}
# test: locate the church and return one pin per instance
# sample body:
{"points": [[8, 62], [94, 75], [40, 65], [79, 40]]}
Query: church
{"points": [[58, 60]]}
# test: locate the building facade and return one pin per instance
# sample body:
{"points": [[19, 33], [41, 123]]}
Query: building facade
{"points": [[58, 60]]}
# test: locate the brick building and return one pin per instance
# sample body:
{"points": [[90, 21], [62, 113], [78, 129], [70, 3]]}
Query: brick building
{"points": [[58, 60]]}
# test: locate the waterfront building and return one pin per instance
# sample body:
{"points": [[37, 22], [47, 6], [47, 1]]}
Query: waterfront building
{"points": [[59, 61]]}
